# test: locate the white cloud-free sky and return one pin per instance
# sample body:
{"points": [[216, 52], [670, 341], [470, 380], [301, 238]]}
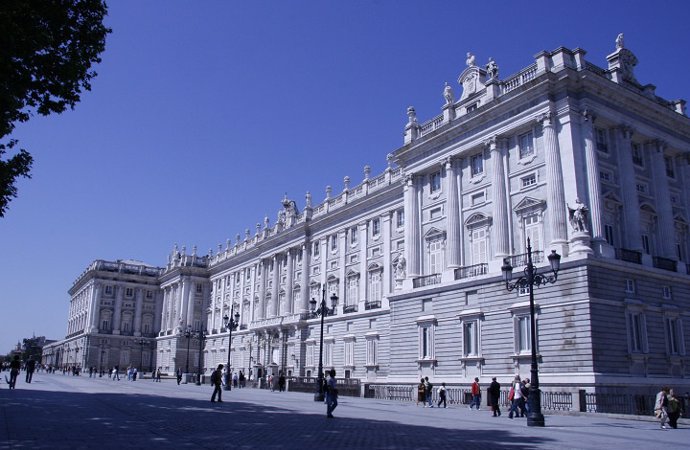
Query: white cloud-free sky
{"points": [[204, 114]]}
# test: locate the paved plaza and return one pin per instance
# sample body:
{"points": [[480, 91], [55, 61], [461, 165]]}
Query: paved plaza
{"points": [[62, 411]]}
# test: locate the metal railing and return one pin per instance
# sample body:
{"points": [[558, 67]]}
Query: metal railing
{"points": [[426, 280], [664, 263], [471, 271], [632, 256], [520, 260], [372, 305]]}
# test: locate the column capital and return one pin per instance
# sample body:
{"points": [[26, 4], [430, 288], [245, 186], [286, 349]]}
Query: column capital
{"points": [[495, 143], [547, 119], [626, 131], [588, 115]]}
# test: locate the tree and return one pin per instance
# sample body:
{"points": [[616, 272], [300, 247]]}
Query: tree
{"points": [[47, 50]]}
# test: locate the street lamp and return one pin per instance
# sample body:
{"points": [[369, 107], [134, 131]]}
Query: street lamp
{"points": [[141, 342], [188, 335], [202, 338], [101, 362], [322, 311], [535, 418], [231, 323]]}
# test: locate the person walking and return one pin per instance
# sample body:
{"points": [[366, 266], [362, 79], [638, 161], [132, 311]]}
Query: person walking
{"points": [[421, 397], [673, 409], [281, 382], [517, 401], [661, 405], [331, 395], [476, 394], [15, 366], [179, 375], [494, 392], [216, 379], [428, 391], [30, 369], [158, 375], [442, 395]]}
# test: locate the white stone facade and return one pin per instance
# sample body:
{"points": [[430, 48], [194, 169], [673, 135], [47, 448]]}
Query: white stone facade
{"points": [[579, 159]]}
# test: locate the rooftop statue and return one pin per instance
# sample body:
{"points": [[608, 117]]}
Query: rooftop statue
{"points": [[619, 42], [492, 68], [448, 94], [470, 59]]}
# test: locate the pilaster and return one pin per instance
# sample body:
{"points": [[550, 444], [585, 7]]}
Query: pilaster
{"points": [[554, 186]]}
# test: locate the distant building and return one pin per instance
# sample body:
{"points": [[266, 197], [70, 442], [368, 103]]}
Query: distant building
{"points": [[581, 160]]}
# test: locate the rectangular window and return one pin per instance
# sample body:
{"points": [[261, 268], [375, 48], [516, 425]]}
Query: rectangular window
{"points": [[674, 336], [199, 288], [375, 227], [645, 244], [352, 291], [372, 344], [334, 242], [526, 143], [477, 164], [375, 286], [533, 231], [435, 182], [435, 256], [479, 246], [469, 338], [602, 140], [435, 213], [522, 334], [426, 342], [641, 188], [529, 180], [328, 353], [149, 294], [310, 355], [668, 163], [608, 234], [637, 155], [471, 108], [129, 292], [605, 175], [349, 353], [353, 236], [108, 290], [477, 199], [637, 332], [315, 248], [629, 286], [400, 218], [666, 292]]}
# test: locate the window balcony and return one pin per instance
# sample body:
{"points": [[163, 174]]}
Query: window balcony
{"points": [[427, 280], [521, 259], [632, 256], [372, 305], [664, 263], [471, 271], [349, 309]]}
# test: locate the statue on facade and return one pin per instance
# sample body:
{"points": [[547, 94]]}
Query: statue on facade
{"points": [[578, 216], [492, 68], [400, 268], [619, 42], [470, 59], [448, 94]]}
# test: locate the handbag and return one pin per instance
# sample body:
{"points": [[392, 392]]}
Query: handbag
{"points": [[511, 394]]}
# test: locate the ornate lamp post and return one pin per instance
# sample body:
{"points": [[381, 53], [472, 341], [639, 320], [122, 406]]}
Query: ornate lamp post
{"points": [[101, 368], [231, 323], [188, 335], [141, 343], [202, 338], [322, 311], [535, 418]]}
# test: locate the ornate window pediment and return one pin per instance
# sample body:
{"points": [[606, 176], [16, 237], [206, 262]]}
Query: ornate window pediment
{"points": [[350, 274], [472, 81], [529, 205], [373, 267], [478, 220], [434, 233]]}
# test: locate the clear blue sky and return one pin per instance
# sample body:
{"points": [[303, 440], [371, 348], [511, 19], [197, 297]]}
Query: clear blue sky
{"points": [[204, 114]]}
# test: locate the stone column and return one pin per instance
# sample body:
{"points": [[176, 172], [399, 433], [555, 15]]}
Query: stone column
{"points": [[500, 202], [158, 317], [304, 292], [274, 289], [117, 315], [667, 232], [262, 292], [138, 309], [342, 285], [94, 309], [215, 294], [453, 252], [187, 301], [362, 230], [412, 226], [289, 281], [632, 238], [555, 195], [386, 228], [593, 186]]}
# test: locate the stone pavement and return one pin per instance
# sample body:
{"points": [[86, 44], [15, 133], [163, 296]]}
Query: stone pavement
{"points": [[61, 411]]}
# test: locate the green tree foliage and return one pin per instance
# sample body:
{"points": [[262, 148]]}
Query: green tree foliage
{"points": [[47, 50]]}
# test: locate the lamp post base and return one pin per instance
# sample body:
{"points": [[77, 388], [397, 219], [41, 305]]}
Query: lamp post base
{"points": [[228, 381], [318, 397], [535, 419]]}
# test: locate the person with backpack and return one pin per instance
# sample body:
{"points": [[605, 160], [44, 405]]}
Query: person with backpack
{"points": [[442, 396], [216, 377], [428, 390], [476, 394]]}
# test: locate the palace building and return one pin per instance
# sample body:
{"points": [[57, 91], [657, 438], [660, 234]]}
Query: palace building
{"points": [[578, 160]]}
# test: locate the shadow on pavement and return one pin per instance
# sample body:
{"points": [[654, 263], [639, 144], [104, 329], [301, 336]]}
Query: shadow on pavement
{"points": [[43, 419]]}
